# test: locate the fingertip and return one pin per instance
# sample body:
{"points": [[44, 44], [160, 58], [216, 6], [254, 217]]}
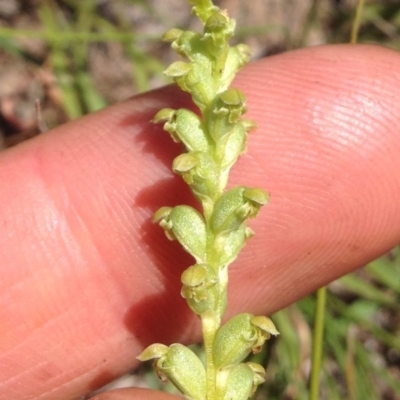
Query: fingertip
{"points": [[134, 394], [108, 172], [327, 149]]}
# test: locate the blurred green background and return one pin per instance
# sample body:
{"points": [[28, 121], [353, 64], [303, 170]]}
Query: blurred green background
{"points": [[77, 56]]}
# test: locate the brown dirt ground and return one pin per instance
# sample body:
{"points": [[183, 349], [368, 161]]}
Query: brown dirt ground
{"points": [[28, 79]]}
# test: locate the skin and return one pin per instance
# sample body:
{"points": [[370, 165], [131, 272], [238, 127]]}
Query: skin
{"points": [[86, 281]]}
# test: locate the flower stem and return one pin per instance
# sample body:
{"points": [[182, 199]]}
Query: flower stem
{"points": [[210, 323]]}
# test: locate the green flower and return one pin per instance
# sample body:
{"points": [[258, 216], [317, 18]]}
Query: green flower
{"points": [[213, 137], [180, 365], [240, 336]]}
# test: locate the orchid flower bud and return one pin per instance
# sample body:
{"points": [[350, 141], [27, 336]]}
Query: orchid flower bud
{"points": [[199, 288], [218, 29], [200, 172], [181, 366], [240, 381], [240, 336], [203, 8], [186, 225], [234, 206], [235, 382], [227, 109]]}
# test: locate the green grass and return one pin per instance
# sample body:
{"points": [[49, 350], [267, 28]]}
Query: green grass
{"points": [[361, 346], [361, 338], [69, 29]]}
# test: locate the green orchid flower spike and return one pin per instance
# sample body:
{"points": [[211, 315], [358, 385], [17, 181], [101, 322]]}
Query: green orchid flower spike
{"points": [[213, 139]]}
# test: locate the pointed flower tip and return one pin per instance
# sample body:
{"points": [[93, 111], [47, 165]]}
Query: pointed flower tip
{"points": [[155, 350], [265, 324], [172, 35], [184, 163], [164, 115], [195, 275], [256, 195], [249, 125], [178, 69], [257, 368], [161, 214]]}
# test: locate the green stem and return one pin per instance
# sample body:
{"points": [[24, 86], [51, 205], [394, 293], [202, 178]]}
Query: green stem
{"points": [[350, 369], [356, 22], [317, 343], [210, 323]]}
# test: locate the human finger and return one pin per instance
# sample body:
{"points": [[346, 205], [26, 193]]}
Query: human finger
{"points": [[87, 281]]}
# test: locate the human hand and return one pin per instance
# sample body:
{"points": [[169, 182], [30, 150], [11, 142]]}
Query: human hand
{"points": [[87, 281]]}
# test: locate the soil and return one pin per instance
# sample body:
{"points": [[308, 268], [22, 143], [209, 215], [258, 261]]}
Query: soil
{"points": [[31, 95]]}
